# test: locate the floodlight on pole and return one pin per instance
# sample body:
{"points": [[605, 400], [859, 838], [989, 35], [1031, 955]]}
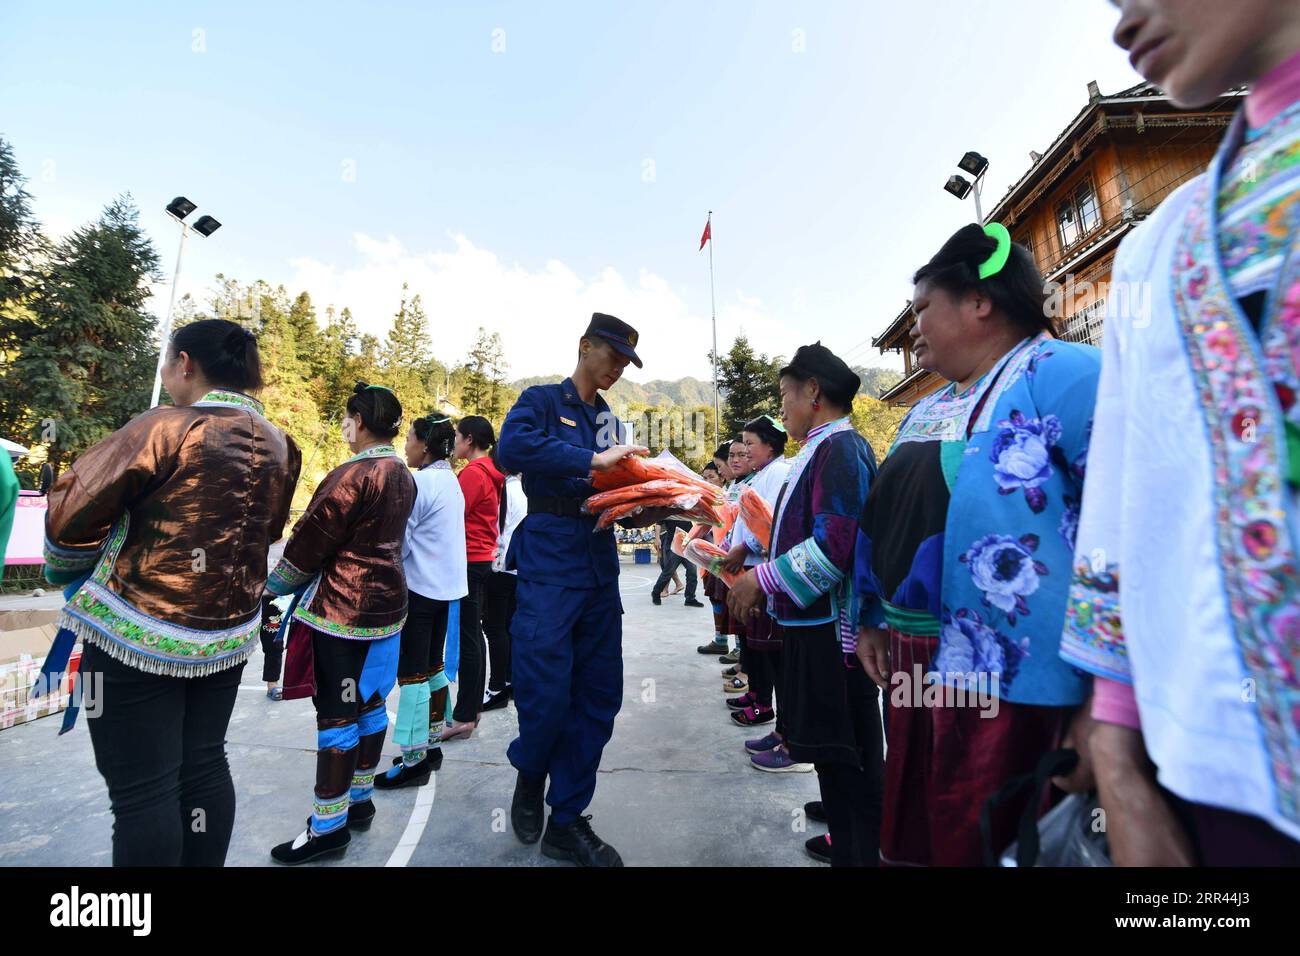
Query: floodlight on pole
{"points": [[179, 209], [976, 166]]}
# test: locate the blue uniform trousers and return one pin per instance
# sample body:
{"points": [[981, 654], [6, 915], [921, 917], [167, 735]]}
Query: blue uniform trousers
{"points": [[568, 685]]}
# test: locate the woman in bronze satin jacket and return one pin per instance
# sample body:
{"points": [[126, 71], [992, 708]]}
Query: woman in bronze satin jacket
{"points": [[344, 561], [171, 517]]}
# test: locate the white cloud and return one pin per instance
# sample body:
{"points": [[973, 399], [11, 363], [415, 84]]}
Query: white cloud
{"points": [[539, 313]]}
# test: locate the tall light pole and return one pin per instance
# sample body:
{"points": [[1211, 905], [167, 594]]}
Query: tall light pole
{"points": [[961, 187], [179, 208]]}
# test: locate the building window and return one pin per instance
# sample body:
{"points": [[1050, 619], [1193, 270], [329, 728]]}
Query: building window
{"points": [[1078, 214], [1085, 325]]}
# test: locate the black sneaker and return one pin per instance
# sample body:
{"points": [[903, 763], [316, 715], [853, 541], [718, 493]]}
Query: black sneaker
{"points": [[495, 700], [361, 815], [691, 602], [819, 848], [578, 843], [308, 846], [655, 599], [714, 648], [814, 811], [527, 809], [405, 776]]}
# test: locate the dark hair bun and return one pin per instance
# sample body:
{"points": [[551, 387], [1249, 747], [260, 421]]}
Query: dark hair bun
{"points": [[378, 407], [226, 353]]}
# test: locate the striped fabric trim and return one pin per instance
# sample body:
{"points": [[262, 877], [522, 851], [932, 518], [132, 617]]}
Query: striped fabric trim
{"points": [[286, 577], [69, 559], [805, 573]]}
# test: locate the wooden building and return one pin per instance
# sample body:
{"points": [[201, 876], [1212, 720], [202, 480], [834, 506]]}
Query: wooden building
{"points": [[1105, 173]]}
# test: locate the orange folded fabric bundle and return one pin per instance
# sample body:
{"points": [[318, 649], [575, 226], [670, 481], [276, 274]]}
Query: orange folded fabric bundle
{"points": [[758, 516], [633, 470], [688, 506], [728, 513], [657, 488], [679, 542]]}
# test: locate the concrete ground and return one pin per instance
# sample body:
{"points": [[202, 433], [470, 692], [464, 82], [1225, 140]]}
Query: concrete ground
{"points": [[675, 788]]}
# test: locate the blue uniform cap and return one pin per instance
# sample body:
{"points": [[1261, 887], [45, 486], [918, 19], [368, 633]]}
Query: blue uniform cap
{"points": [[617, 333]]}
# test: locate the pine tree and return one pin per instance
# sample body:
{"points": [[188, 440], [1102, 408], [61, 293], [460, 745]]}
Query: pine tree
{"points": [[748, 383], [86, 358]]}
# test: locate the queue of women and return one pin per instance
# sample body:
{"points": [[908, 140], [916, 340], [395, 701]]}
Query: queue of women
{"points": [[1063, 548]]}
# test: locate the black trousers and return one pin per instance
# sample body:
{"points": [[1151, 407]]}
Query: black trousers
{"points": [[764, 677], [498, 609], [670, 562], [424, 637], [471, 676], [851, 799], [160, 744]]}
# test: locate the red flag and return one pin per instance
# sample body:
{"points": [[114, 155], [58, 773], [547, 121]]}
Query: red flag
{"points": [[708, 234]]}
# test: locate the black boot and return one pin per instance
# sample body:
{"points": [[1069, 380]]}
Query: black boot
{"points": [[307, 846], [655, 599], [361, 815], [526, 809], [416, 776], [578, 843]]}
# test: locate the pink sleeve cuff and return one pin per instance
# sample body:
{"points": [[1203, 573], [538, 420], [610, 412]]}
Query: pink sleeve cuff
{"points": [[1114, 703]]}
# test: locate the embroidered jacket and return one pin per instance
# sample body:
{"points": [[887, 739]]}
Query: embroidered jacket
{"points": [[347, 549], [814, 530], [1186, 579], [173, 514], [994, 576]]}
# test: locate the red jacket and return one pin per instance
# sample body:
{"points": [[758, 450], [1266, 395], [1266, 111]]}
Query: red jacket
{"points": [[482, 485]]}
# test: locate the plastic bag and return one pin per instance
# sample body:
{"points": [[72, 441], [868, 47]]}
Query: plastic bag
{"points": [[708, 557]]}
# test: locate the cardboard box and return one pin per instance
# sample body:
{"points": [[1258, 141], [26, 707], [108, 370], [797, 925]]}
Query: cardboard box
{"points": [[30, 617], [30, 641]]}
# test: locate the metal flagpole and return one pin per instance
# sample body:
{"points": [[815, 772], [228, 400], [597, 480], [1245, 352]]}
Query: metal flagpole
{"points": [[713, 303], [167, 325]]}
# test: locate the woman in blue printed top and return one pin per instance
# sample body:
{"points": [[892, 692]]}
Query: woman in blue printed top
{"points": [[830, 711], [965, 550]]}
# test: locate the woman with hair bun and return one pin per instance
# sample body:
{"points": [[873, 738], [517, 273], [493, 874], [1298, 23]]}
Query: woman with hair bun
{"points": [[482, 485], [965, 547], [161, 533], [344, 563], [433, 557]]}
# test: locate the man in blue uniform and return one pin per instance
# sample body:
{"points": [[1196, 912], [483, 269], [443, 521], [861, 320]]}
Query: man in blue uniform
{"points": [[567, 632]]}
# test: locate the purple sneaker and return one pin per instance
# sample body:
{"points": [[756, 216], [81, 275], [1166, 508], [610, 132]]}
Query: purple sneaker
{"points": [[763, 744], [777, 760]]}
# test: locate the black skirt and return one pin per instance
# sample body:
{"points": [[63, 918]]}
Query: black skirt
{"points": [[830, 707]]}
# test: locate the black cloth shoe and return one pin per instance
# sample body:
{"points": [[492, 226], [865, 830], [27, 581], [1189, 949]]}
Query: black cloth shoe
{"points": [[691, 602], [361, 815], [819, 848], [527, 809], [714, 648], [406, 776], [578, 843], [497, 699], [814, 811], [307, 846], [655, 599]]}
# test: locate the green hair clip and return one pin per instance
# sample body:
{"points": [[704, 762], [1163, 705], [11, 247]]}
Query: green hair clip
{"points": [[775, 424], [994, 263]]}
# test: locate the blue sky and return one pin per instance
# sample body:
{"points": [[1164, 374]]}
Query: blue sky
{"points": [[523, 164]]}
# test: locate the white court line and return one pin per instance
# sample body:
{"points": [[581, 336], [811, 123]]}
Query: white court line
{"points": [[415, 825]]}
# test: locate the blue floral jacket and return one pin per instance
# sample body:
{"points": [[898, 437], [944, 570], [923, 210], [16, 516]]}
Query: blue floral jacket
{"points": [[1008, 541]]}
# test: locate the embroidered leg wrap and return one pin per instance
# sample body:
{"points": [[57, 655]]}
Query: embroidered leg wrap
{"points": [[336, 759], [371, 726], [438, 684], [412, 730]]}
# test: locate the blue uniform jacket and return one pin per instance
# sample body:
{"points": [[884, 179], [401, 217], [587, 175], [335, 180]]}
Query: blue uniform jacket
{"points": [[549, 437]]}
